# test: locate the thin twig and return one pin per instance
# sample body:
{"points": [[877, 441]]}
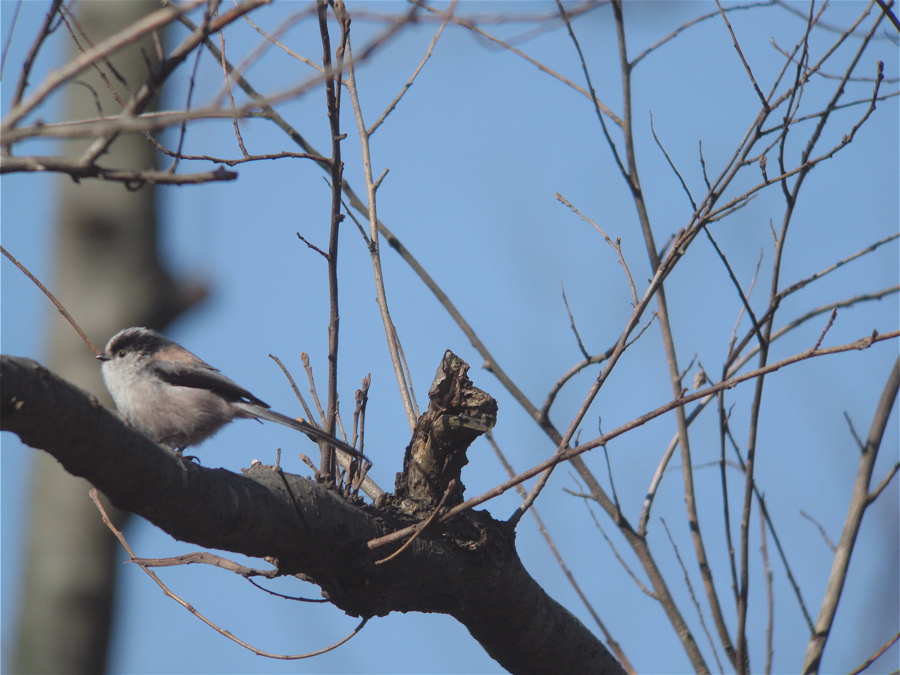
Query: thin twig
{"points": [[737, 47], [821, 530], [70, 20], [333, 77], [207, 558], [869, 661], [612, 547], [886, 8], [294, 387], [745, 302], [693, 22], [770, 592], [568, 375], [228, 90], [581, 348], [677, 173], [283, 596], [395, 350], [859, 502], [132, 178], [570, 576], [567, 454], [692, 594], [616, 245], [273, 38], [827, 327], [884, 483], [304, 359], [196, 613], [761, 500], [518, 52], [412, 78], [793, 288], [56, 303], [44, 32]]}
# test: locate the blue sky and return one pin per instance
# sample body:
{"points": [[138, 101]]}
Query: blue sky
{"points": [[476, 151]]}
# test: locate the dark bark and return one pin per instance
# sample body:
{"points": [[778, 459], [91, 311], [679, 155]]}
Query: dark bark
{"points": [[457, 414], [467, 568]]}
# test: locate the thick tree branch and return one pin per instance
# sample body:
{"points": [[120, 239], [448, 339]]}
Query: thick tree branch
{"points": [[467, 568]]}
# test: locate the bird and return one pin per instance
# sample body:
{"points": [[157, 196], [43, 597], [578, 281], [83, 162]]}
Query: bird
{"points": [[176, 399]]}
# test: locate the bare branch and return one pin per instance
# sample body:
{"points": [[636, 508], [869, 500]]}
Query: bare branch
{"points": [[886, 8], [616, 245], [193, 610], [207, 558], [856, 510], [821, 529], [884, 483], [133, 178], [672, 165], [693, 22], [112, 44], [465, 23], [693, 596], [737, 48], [572, 323], [395, 350], [770, 593], [868, 662], [46, 28], [56, 303], [818, 275], [862, 343], [412, 78]]}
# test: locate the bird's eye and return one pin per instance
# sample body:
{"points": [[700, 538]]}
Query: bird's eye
{"points": [[121, 354]]}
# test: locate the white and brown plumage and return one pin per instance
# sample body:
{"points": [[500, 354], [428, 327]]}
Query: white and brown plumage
{"points": [[176, 398]]}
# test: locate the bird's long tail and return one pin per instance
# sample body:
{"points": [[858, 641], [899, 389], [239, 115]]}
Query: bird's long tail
{"points": [[257, 411]]}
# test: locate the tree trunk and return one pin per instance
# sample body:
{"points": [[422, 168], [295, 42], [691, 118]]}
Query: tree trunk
{"points": [[108, 276]]}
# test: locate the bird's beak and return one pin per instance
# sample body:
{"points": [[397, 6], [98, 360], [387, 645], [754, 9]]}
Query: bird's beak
{"points": [[102, 357]]}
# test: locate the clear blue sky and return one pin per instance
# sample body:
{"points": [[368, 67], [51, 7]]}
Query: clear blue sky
{"points": [[476, 151]]}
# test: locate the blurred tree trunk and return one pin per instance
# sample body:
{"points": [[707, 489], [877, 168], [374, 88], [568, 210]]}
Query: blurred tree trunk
{"points": [[108, 275]]}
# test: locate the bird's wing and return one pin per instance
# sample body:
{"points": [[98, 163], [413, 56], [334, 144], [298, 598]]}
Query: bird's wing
{"points": [[203, 376]]}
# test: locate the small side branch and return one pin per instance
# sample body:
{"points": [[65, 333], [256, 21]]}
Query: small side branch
{"points": [[132, 178], [144, 565], [858, 504]]}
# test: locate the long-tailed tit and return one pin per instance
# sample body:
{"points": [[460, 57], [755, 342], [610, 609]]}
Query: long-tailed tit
{"points": [[176, 398]]}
